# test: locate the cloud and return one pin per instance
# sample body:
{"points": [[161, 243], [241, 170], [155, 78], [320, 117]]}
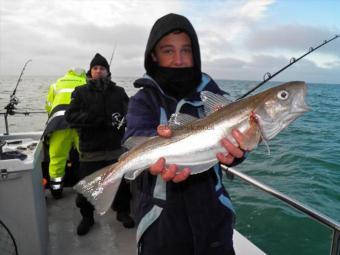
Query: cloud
{"points": [[257, 67], [225, 63], [291, 37], [123, 35], [59, 34], [72, 31], [227, 21], [254, 69], [333, 65]]}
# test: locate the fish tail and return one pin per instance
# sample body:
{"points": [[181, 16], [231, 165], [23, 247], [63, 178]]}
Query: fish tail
{"points": [[100, 188]]}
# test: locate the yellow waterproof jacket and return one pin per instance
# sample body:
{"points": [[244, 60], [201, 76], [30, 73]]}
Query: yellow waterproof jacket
{"points": [[59, 98], [60, 92]]}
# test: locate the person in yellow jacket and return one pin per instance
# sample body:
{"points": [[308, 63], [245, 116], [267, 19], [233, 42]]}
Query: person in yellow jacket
{"points": [[60, 137]]}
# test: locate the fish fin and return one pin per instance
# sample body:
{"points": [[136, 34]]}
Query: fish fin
{"points": [[98, 190], [133, 174], [199, 167], [178, 120], [134, 141], [213, 102]]}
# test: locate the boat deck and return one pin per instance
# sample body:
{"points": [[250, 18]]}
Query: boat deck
{"points": [[108, 236]]}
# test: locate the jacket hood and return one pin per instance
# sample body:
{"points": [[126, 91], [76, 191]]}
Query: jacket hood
{"points": [[165, 25], [77, 71]]}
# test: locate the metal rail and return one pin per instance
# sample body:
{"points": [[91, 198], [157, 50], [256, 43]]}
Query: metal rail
{"points": [[26, 113], [325, 220]]}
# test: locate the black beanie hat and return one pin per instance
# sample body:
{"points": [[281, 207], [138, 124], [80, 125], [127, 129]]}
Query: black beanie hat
{"points": [[99, 60]]}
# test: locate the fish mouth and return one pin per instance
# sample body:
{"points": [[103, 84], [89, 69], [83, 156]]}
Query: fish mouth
{"points": [[299, 105], [270, 128]]}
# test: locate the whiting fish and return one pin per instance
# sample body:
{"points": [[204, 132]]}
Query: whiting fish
{"points": [[195, 142]]}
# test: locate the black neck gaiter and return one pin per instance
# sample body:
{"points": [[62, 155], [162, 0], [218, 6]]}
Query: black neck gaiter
{"points": [[101, 83], [177, 82]]}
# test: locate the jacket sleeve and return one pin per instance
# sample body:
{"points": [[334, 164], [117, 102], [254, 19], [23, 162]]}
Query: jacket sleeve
{"points": [[125, 102], [142, 119], [49, 99], [79, 114]]}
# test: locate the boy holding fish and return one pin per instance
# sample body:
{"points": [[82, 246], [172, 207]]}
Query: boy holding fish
{"points": [[178, 213], [182, 205]]}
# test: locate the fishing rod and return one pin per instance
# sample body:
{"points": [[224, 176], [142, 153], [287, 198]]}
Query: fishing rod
{"points": [[10, 107], [13, 99], [19, 80], [113, 53], [291, 62]]}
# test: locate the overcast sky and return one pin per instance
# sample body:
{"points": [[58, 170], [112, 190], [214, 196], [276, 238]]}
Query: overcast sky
{"points": [[240, 40]]}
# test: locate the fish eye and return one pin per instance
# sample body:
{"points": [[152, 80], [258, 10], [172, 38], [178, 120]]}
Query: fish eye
{"points": [[283, 95]]}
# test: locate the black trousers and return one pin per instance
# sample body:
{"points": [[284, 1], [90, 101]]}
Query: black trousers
{"points": [[121, 202]]}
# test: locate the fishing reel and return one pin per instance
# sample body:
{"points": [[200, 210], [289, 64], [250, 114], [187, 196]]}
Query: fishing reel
{"points": [[10, 108]]}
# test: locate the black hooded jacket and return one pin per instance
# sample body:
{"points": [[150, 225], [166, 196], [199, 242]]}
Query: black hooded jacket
{"points": [[96, 110], [194, 216]]}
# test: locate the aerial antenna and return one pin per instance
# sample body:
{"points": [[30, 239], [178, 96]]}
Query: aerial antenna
{"points": [[268, 76]]}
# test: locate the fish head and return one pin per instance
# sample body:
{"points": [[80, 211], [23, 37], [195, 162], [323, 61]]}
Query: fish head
{"points": [[279, 106]]}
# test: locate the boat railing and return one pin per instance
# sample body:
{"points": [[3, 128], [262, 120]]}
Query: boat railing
{"points": [[12, 112], [325, 220]]}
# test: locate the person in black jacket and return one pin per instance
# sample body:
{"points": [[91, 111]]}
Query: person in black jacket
{"points": [[98, 111], [178, 213]]}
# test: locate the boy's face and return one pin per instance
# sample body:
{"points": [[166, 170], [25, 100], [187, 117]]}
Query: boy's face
{"points": [[174, 50], [98, 72]]}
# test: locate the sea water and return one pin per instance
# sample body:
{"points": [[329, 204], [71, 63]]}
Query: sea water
{"points": [[304, 163]]}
